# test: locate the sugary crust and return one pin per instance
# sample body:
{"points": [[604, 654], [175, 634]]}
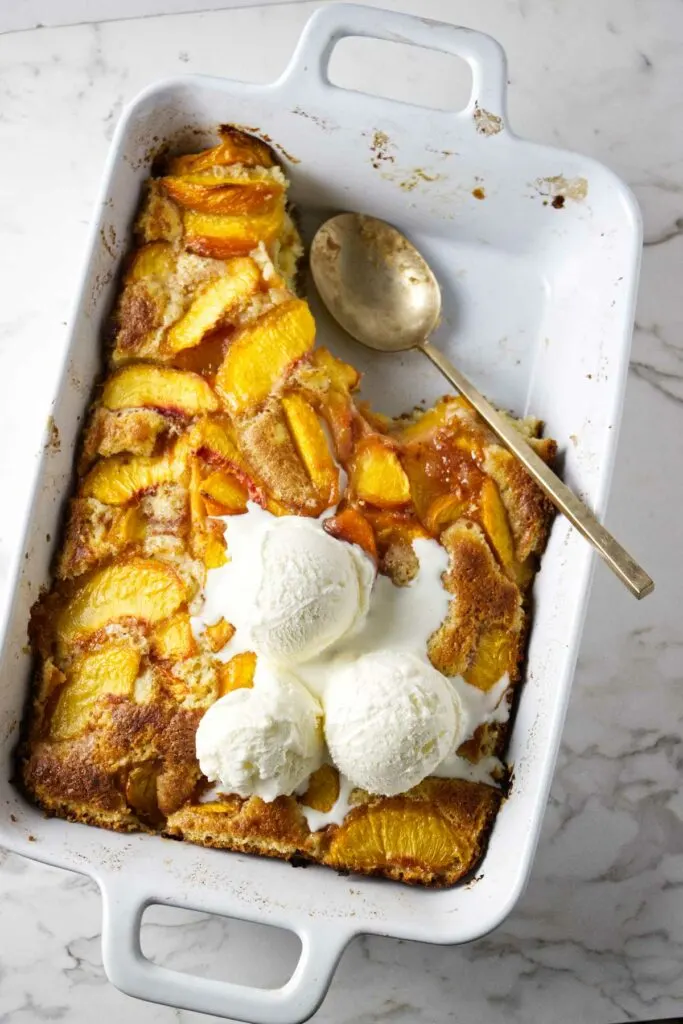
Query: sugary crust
{"points": [[459, 816]]}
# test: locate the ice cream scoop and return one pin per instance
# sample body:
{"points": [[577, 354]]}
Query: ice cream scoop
{"points": [[390, 719], [262, 741], [290, 589]]}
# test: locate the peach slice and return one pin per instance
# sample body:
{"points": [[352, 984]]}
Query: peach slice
{"points": [[352, 526], [173, 640], [495, 655], [312, 446], [377, 475], [214, 441], [227, 174], [139, 588], [208, 541], [337, 410], [214, 508], [224, 495], [424, 480], [222, 235], [236, 147], [339, 373], [495, 522], [276, 508], [207, 356], [159, 387], [422, 428], [446, 467], [267, 441], [237, 199], [215, 554], [494, 519], [323, 789], [261, 352], [156, 259], [238, 673], [529, 511], [127, 527], [393, 832], [93, 534], [141, 791], [214, 302], [111, 669], [215, 546], [218, 635], [395, 526], [120, 478], [444, 509]]}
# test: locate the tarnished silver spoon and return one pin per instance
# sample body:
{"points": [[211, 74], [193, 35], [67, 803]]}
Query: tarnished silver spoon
{"points": [[379, 288]]}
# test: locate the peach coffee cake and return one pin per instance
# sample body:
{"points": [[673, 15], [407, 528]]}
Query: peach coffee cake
{"points": [[280, 623]]}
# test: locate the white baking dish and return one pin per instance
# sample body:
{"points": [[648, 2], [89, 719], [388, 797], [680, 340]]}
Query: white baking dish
{"points": [[538, 308]]}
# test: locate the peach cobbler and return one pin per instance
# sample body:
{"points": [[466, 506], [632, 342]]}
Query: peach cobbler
{"points": [[281, 623]]}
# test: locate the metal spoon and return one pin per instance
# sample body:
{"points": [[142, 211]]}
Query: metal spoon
{"points": [[380, 289]]}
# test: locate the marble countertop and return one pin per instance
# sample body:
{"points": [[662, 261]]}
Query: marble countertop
{"points": [[598, 936]]}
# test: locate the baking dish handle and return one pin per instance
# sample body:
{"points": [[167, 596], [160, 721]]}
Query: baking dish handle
{"points": [[127, 968], [306, 76]]}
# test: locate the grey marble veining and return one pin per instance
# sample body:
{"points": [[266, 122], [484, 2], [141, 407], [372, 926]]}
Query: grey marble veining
{"points": [[598, 936]]}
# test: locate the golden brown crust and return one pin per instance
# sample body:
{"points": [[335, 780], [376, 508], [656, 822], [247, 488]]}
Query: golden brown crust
{"points": [[432, 835], [485, 599], [92, 535], [399, 562], [69, 775], [166, 510], [268, 444], [529, 511], [136, 431], [121, 682], [139, 318]]}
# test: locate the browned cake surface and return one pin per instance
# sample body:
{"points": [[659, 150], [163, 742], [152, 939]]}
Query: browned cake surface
{"points": [[216, 395]]}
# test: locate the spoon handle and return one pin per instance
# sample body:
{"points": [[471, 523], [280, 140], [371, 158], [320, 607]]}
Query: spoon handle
{"points": [[578, 514]]}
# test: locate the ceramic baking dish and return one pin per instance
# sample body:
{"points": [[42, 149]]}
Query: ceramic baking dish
{"points": [[539, 280]]}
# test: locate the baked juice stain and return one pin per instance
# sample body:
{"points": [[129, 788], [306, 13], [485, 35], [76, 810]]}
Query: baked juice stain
{"points": [[380, 148], [478, 193], [557, 189], [108, 239], [485, 122], [53, 442], [321, 122], [417, 176]]}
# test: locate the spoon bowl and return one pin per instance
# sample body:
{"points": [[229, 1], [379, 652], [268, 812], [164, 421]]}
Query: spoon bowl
{"points": [[375, 283], [380, 289]]}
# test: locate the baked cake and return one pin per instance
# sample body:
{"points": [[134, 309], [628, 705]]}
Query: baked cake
{"points": [[216, 401]]}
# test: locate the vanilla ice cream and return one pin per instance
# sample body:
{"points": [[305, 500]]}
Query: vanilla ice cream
{"points": [[333, 636], [263, 741], [290, 589], [390, 719]]}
